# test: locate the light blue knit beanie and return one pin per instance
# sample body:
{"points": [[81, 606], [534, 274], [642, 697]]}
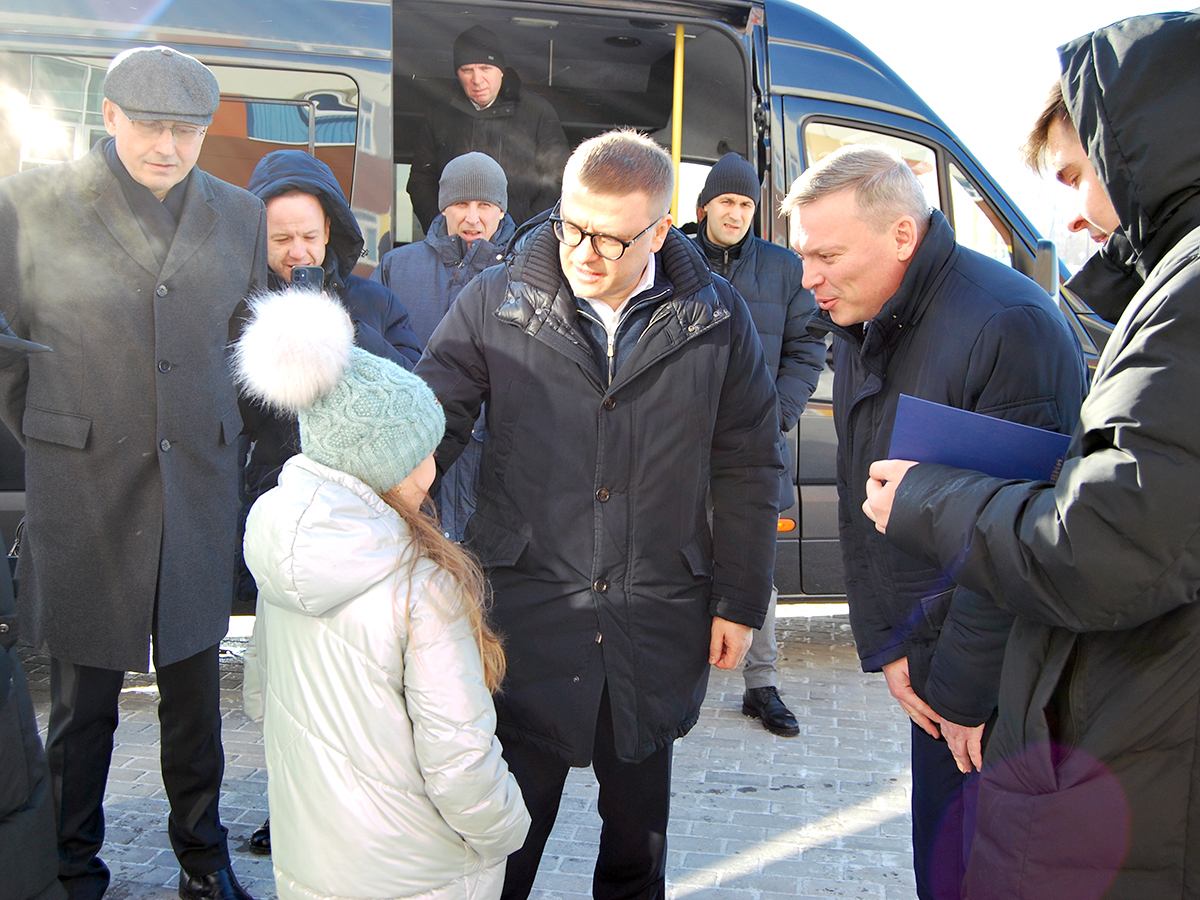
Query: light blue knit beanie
{"points": [[358, 413]]}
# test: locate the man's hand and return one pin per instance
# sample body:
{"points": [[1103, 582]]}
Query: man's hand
{"points": [[729, 643], [886, 475], [918, 710], [966, 743]]}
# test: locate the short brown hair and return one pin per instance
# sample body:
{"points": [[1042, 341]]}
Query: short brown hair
{"points": [[622, 162], [1033, 151]]}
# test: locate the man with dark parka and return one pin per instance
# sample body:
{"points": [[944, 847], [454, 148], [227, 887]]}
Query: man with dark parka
{"points": [[770, 280], [912, 312], [468, 236], [1091, 787], [493, 114], [624, 386], [133, 266]]}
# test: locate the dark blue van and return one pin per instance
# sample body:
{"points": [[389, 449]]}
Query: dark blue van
{"points": [[349, 80]]}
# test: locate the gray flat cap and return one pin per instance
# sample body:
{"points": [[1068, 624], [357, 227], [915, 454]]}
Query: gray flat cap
{"points": [[162, 83]]}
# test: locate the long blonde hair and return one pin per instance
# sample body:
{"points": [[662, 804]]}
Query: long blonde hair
{"points": [[429, 543]]}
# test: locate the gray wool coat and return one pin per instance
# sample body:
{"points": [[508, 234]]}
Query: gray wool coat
{"points": [[131, 424]]}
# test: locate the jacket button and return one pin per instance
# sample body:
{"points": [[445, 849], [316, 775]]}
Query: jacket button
{"points": [[164, 366], [609, 403], [4, 630], [602, 495], [164, 445], [600, 586], [161, 290]]}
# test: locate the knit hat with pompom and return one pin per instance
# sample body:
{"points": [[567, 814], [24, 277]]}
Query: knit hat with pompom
{"points": [[358, 413]]}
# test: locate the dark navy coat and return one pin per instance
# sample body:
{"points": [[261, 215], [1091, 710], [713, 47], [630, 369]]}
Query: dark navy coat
{"points": [[966, 331]]}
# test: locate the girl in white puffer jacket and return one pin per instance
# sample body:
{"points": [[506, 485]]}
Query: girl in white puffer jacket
{"points": [[373, 667]]}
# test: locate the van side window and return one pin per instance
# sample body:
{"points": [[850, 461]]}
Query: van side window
{"points": [[975, 223]]}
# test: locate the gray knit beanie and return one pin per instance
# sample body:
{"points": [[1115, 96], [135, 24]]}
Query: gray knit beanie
{"points": [[358, 413], [162, 83], [473, 176], [731, 175]]}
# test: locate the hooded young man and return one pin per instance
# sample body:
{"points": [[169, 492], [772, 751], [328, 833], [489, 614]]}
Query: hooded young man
{"points": [[1091, 786], [492, 114]]}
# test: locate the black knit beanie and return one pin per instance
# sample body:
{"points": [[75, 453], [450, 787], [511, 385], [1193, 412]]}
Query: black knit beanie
{"points": [[478, 45], [731, 175]]}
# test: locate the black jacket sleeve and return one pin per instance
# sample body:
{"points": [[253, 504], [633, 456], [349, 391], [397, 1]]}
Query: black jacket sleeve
{"points": [[745, 476], [424, 175]]}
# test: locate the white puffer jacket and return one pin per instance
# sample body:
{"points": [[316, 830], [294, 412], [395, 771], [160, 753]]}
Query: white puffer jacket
{"points": [[385, 778]]}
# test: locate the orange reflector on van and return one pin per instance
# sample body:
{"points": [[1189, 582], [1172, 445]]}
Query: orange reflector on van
{"points": [[786, 524]]}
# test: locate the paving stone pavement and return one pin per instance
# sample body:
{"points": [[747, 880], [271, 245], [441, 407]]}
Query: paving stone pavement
{"points": [[756, 816]]}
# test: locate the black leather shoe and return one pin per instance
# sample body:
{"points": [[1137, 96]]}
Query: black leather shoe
{"points": [[221, 885], [260, 841], [764, 703]]}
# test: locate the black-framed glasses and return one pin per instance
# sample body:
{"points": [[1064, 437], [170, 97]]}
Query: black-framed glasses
{"points": [[606, 245], [152, 129]]}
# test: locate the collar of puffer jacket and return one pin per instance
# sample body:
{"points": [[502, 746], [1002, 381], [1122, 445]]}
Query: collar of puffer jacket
{"points": [[321, 538]]}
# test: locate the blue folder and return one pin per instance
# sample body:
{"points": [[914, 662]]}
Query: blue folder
{"points": [[932, 432]]}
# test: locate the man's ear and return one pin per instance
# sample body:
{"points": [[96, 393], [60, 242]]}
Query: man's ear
{"points": [[907, 237], [659, 235], [109, 111]]}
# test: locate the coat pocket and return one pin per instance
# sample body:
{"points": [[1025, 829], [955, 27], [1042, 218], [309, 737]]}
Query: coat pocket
{"points": [[698, 556], [56, 427], [495, 545], [231, 427]]}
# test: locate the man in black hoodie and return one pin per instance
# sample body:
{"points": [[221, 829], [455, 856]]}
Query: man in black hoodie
{"points": [[1091, 785], [493, 115]]}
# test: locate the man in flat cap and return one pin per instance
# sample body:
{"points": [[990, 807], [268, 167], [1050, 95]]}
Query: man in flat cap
{"points": [[493, 115], [132, 266]]}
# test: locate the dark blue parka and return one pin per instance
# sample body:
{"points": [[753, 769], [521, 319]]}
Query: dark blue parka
{"points": [[429, 275], [966, 331], [592, 519], [769, 278]]}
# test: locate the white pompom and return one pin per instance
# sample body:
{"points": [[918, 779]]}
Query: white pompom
{"points": [[295, 348]]}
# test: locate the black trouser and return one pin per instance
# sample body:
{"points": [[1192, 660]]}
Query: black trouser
{"points": [[944, 802], [79, 745], [635, 801]]}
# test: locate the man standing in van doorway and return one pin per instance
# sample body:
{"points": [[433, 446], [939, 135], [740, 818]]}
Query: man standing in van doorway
{"points": [[133, 267], [770, 280], [494, 115], [625, 386], [912, 312]]}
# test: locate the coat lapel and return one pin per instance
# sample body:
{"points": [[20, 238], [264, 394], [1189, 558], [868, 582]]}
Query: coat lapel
{"points": [[195, 222], [115, 214]]}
